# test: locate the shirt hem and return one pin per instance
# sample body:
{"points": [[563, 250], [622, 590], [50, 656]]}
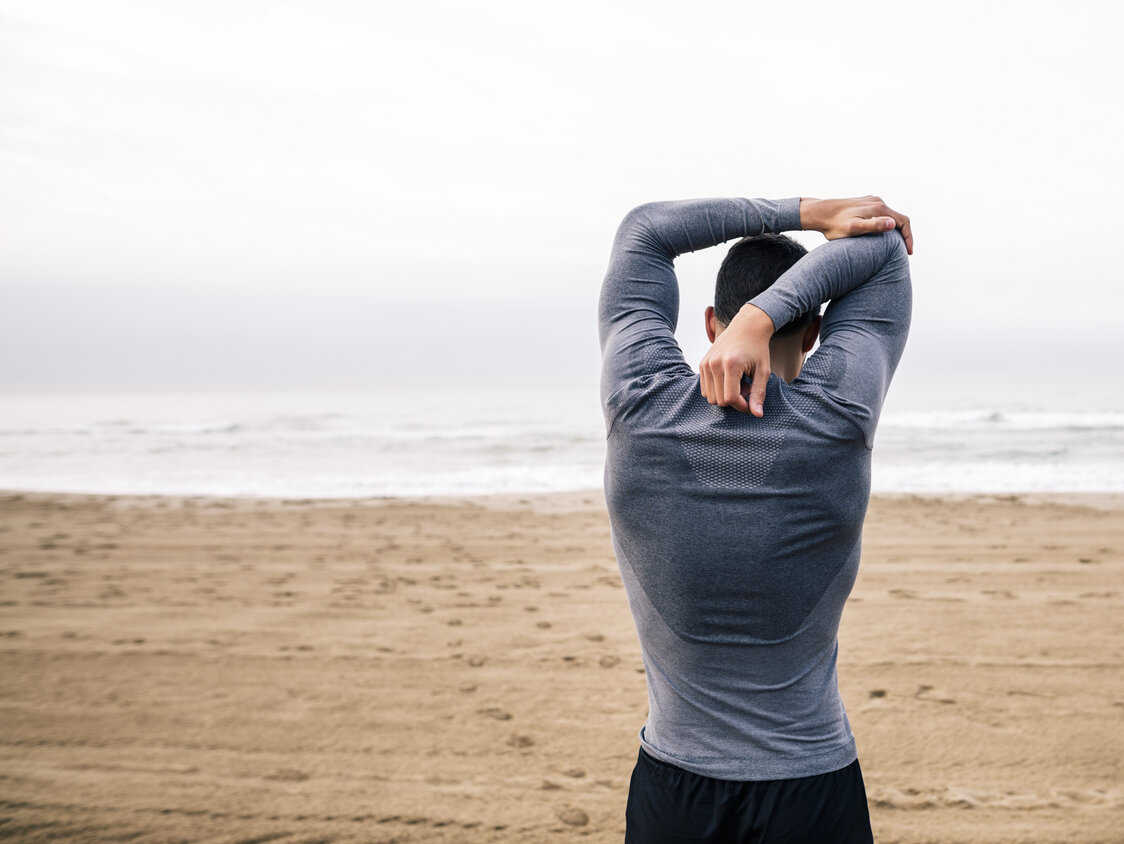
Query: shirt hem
{"points": [[779, 768]]}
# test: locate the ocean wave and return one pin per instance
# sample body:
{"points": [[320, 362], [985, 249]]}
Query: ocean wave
{"points": [[344, 445], [954, 420], [116, 428]]}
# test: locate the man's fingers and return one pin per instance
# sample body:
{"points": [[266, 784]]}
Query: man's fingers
{"points": [[720, 382], [704, 382], [718, 373], [901, 222], [732, 388], [907, 233], [888, 221], [757, 389], [865, 215], [710, 375], [871, 225]]}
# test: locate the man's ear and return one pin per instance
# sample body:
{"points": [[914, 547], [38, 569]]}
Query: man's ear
{"points": [[711, 323], [810, 334]]}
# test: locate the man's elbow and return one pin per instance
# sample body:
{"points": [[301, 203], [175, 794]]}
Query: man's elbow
{"points": [[890, 256], [895, 246], [638, 220]]}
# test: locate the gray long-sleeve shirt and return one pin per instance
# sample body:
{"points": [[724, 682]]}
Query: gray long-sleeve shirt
{"points": [[738, 537]]}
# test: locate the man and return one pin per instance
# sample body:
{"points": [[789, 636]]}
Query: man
{"points": [[737, 521]]}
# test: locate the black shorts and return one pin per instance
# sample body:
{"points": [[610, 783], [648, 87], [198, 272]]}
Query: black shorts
{"points": [[668, 805]]}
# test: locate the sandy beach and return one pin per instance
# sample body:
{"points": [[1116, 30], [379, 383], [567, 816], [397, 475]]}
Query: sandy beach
{"points": [[241, 670]]}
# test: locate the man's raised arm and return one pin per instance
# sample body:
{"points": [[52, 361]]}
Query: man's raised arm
{"points": [[639, 304]]}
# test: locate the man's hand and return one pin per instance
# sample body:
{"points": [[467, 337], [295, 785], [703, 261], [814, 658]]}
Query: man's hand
{"points": [[838, 218], [742, 349]]}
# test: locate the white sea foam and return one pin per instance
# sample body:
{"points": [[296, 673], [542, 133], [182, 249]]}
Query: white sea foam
{"points": [[380, 444], [998, 419]]}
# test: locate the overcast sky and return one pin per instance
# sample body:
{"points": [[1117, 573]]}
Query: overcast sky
{"points": [[249, 194]]}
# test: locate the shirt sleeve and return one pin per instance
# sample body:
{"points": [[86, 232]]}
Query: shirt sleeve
{"points": [[639, 304], [865, 327]]}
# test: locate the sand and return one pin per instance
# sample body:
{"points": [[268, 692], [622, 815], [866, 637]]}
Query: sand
{"points": [[238, 670]]}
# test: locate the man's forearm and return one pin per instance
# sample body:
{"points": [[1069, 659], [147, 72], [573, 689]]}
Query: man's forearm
{"points": [[827, 272], [674, 228]]}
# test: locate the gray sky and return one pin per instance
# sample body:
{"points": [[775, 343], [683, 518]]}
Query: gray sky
{"points": [[249, 194]]}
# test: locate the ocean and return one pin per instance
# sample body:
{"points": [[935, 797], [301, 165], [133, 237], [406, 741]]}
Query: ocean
{"points": [[385, 443]]}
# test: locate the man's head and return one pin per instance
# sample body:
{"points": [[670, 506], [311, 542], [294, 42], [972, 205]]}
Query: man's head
{"points": [[750, 267]]}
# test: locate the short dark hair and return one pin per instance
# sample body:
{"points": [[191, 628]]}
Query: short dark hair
{"points": [[750, 267]]}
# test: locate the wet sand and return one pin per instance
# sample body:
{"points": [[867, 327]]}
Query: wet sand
{"points": [[238, 670]]}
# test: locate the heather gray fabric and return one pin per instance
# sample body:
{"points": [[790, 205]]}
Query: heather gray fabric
{"points": [[737, 537]]}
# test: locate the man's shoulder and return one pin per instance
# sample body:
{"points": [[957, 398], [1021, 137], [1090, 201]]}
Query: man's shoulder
{"points": [[675, 383], [670, 403]]}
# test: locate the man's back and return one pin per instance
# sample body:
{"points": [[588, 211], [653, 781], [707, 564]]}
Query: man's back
{"points": [[738, 542], [738, 537]]}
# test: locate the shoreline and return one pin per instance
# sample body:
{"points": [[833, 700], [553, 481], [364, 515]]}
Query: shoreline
{"points": [[1100, 500]]}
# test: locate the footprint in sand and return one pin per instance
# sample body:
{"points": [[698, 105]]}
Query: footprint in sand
{"points": [[999, 593], [287, 775], [497, 713], [922, 693], [572, 816]]}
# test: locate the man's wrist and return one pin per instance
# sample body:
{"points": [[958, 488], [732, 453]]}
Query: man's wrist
{"points": [[756, 320], [810, 216]]}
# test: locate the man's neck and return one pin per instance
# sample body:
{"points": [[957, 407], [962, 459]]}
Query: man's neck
{"points": [[785, 366]]}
